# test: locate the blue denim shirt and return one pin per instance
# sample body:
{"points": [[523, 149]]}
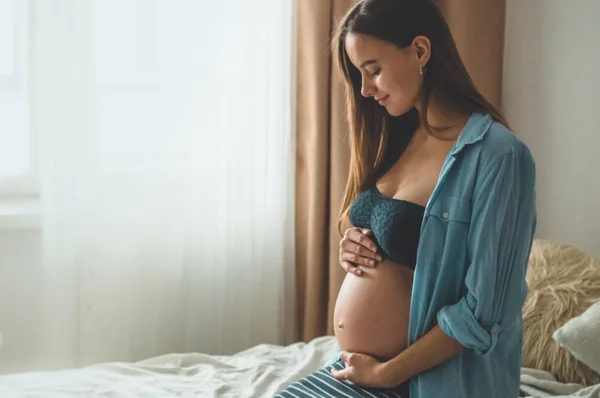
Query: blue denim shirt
{"points": [[476, 238]]}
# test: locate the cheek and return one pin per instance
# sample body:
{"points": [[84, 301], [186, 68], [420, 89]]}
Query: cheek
{"points": [[404, 90], [406, 84]]}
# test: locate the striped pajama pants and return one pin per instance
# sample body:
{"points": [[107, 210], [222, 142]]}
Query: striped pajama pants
{"points": [[322, 384]]}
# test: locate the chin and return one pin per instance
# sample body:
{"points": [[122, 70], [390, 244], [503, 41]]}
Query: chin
{"points": [[397, 111], [395, 114]]}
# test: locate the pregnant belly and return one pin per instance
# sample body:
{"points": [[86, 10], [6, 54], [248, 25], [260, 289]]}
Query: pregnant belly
{"points": [[371, 312]]}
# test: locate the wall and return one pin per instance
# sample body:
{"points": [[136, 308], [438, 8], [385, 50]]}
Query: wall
{"points": [[551, 96]]}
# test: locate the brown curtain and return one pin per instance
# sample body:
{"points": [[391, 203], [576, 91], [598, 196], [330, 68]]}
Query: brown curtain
{"points": [[322, 144], [478, 29], [321, 167]]}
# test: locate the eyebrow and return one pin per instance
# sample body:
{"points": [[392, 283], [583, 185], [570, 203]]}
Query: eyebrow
{"points": [[369, 62]]}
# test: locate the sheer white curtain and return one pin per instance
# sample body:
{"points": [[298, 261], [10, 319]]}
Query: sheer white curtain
{"points": [[166, 150]]}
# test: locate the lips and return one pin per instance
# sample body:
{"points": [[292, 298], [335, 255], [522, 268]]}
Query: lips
{"points": [[381, 100]]}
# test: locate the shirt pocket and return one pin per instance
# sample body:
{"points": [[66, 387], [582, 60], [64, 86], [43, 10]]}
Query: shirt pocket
{"points": [[449, 219], [450, 209], [443, 246]]}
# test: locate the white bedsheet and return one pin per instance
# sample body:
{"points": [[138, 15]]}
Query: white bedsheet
{"points": [[539, 384], [261, 371]]}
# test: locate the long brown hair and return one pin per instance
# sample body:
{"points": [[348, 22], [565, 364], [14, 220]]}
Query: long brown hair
{"points": [[446, 81]]}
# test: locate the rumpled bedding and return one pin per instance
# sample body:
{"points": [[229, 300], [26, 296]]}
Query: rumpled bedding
{"points": [[258, 372], [261, 371], [538, 384]]}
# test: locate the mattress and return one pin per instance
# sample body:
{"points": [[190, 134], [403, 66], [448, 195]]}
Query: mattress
{"points": [[261, 371]]}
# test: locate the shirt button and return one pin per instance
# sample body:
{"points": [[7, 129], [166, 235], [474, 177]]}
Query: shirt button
{"points": [[445, 215]]}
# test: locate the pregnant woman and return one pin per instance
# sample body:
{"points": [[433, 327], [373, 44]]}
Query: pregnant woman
{"points": [[441, 202]]}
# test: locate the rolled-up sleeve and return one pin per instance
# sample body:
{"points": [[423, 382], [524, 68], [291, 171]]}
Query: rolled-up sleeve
{"points": [[503, 222]]}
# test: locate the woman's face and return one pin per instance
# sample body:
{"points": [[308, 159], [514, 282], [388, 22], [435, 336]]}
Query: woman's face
{"points": [[390, 75]]}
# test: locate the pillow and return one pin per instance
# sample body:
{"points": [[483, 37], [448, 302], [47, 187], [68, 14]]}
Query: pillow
{"points": [[563, 282], [581, 336]]}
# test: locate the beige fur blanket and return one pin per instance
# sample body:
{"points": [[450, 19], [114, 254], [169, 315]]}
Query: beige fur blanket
{"points": [[563, 282]]}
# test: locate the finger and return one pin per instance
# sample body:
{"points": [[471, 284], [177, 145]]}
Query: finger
{"points": [[350, 268], [360, 250], [370, 257], [350, 231], [366, 231], [356, 237], [357, 260], [344, 374], [347, 357]]}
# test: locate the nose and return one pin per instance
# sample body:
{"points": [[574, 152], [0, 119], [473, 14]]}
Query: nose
{"points": [[367, 89]]}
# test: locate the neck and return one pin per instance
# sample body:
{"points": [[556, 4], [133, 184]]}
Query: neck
{"points": [[446, 124], [439, 118]]}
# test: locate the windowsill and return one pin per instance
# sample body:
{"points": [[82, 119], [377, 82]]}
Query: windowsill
{"points": [[20, 214]]}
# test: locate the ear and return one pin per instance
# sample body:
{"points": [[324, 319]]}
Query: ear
{"points": [[422, 47]]}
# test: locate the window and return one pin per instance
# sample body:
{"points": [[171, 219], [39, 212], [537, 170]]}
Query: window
{"points": [[17, 144]]}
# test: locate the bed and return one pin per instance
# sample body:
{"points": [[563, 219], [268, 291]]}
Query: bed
{"points": [[261, 371], [258, 372]]}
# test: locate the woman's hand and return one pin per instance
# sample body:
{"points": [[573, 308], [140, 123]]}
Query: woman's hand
{"points": [[364, 371], [356, 248]]}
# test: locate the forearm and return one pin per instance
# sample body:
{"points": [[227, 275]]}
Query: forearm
{"points": [[430, 350]]}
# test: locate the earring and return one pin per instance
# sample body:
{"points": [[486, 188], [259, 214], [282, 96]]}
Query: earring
{"points": [[423, 70]]}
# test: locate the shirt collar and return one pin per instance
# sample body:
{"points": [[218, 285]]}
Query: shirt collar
{"points": [[476, 128]]}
